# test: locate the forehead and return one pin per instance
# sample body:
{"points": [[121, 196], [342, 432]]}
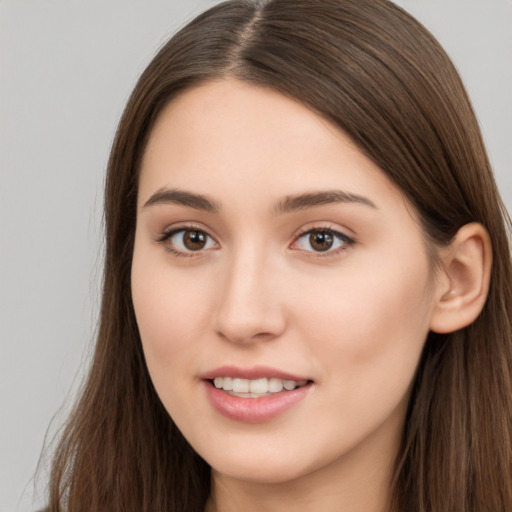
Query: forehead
{"points": [[240, 141]]}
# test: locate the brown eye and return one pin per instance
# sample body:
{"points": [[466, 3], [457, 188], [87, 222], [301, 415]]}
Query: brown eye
{"points": [[194, 240], [321, 240], [185, 241]]}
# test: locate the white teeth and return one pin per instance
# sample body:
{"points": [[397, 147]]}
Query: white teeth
{"points": [[240, 385], [289, 384], [256, 387], [225, 383], [275, 385]]}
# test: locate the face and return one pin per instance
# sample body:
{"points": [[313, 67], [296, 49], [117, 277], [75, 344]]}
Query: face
{"points": [[281, 286]]}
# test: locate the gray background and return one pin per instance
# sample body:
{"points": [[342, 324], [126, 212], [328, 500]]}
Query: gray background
{"points": [[66, 69]]}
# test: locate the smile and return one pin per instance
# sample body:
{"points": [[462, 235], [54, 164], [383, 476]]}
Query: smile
{"points": [[254, 395], [246, 388]]}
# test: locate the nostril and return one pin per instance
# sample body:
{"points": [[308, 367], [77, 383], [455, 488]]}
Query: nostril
{"points": [[241, 335]]}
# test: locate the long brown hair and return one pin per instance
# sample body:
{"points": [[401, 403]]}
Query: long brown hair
{"points": [[377, 74]]}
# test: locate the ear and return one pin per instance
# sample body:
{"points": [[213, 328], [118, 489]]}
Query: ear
{"points": [[462, 282]]}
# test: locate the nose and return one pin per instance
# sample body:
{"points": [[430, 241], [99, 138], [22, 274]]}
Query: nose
{"points": [[250, 306]]}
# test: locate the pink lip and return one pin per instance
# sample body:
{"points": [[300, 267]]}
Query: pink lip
{"points": [[256, 372], [253, 410]]}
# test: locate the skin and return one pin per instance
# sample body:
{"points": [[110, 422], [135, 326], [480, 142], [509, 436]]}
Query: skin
{"points": [[353, 320]]}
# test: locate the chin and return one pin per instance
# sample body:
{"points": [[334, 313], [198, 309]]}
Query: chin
{"points": [[265, 473], [262, 466]]}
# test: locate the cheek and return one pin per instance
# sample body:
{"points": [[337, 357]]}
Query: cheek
{"points": [[171, 313], [388, 316], [367, 335]]}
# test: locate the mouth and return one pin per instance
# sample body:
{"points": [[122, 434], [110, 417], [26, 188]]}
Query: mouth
{"points": [[255, 395], [256, 388]]}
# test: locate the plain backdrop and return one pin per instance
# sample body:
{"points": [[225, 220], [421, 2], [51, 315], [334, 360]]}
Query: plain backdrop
{"points": [[66, 70]]}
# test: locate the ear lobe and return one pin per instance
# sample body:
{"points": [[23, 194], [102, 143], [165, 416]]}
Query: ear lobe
{"points": [[463, 280]]}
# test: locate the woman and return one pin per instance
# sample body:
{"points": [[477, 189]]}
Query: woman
{"points": [[307, 278]]}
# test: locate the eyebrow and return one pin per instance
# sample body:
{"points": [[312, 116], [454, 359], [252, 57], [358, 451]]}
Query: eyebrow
{"points": [[286, 205], [183, 198], [313, 199]]}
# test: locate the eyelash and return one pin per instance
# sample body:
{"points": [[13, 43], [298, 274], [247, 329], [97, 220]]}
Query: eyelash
{"points": [[167, 235], [346, 241]]}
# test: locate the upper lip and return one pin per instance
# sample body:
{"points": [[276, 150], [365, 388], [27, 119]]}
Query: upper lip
{"points": [[252, 373]]}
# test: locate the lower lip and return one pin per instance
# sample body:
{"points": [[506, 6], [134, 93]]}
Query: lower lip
{"points": [[254, 410]]}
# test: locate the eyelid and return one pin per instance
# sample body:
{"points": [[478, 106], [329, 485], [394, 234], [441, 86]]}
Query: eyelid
{"points": [[174, 228], [348, 240], [164, 237]]}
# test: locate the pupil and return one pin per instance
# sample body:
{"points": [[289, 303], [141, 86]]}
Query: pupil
{"points": [[321, 240], [194, 240]]}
